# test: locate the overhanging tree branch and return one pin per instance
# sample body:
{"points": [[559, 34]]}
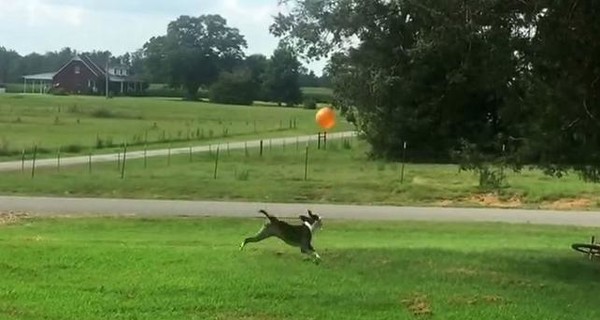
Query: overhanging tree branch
{"points": [[585, 107]]}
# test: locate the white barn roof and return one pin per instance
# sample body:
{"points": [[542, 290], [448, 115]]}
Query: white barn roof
{"points": [[40, 76]]}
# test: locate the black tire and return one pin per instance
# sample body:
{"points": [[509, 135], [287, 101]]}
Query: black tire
{"points": [[587, 248]]}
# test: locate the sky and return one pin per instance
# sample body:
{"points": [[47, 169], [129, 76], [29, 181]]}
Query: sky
{"points": [[121, 26]]}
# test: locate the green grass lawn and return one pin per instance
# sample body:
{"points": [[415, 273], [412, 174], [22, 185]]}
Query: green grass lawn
{"points": [[117, 268], [80, 124], [342, 174]]}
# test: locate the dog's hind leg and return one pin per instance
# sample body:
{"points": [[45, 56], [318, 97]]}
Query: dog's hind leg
{"points": [[264, 233]]}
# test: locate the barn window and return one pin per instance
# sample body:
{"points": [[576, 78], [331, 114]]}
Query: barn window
{"points": [[77, 70]]}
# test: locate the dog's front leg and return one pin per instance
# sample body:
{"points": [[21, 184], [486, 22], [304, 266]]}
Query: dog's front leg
{"points": [[312, 253], [317, 256]]}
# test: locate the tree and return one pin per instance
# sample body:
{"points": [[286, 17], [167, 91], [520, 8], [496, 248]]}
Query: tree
{"points": [[564, 96], [137, 63], [195, 51], [234, 88], [308, 78], [9, 59], [282, 77], [34, 63], [438, 74], [101, 57], [155, 60], [257, 65]]}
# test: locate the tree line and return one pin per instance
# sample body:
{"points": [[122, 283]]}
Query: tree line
{"points": [[481, 82], [13, 66], [196, 53]]}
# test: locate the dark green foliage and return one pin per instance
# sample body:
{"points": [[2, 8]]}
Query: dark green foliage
{"points": [[8, 64], [282, 77], [165, 92], [194, 52], [433, 73], [564, 98], [257, 65], [72, 148], [13, 66], [234, 88], [461, 79], [310, 79], [310, 103], [58, 91]]}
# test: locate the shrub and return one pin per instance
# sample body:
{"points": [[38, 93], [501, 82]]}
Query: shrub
{"points": [[165, 92], [103, 113], [169, 92], [72, 148], [233, 88], [58, 92], [310, 103]]}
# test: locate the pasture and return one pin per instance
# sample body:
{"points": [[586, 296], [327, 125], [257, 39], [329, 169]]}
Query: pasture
{"points": [[83, 124], [132, 268], [317, 91], [341, 174]]}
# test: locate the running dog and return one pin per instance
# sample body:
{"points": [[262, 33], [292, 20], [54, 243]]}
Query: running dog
{"points": [[294, 235]]}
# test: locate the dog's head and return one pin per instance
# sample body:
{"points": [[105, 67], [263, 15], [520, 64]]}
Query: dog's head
{"points": [[314, 220]]}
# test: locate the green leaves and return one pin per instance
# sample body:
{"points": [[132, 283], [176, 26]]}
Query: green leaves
{"points": [[282, 77], [448, 74], [194, 51], [565, 87], [233, 88]]}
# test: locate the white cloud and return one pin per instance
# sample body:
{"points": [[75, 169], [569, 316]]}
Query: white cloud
{"points": [[36, 13], [254, 21], [42, 14]]}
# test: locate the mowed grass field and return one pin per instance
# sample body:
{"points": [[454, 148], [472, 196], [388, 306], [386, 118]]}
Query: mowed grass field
{"points": [[341, 174], [83, 124], [130, 268], [317, 90]]}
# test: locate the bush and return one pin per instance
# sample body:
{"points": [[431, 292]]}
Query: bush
{"points": [[103, 113], [165, 92], [168, 92], [491, 178], [58, 91], [310, 103], [72, 148], [233, 88]]}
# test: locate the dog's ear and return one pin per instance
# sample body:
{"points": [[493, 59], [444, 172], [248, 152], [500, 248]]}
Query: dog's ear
{"points": [[314, 216], [305, 219]]}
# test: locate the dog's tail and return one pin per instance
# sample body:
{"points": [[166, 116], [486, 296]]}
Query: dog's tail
{"points": [[267, 215]]}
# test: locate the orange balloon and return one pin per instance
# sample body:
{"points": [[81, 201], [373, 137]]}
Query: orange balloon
{"points": [[325, 118]]}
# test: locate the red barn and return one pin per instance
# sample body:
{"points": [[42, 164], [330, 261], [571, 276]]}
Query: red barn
{"points": [[82, 76]]}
